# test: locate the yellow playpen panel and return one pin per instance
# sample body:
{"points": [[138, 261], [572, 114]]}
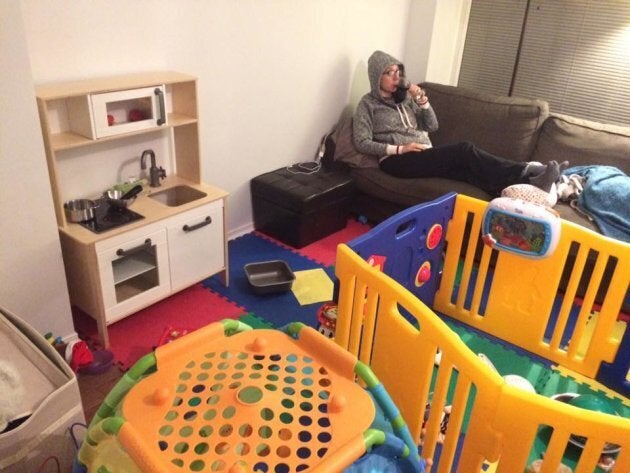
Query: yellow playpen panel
{"points": [[523, 291], [491, 423]]}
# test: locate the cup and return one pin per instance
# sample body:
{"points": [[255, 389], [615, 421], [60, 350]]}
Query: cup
{"points": [[401, 89]]}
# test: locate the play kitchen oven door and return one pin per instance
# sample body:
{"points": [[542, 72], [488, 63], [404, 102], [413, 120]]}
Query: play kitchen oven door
{"points": [[134, 272]]}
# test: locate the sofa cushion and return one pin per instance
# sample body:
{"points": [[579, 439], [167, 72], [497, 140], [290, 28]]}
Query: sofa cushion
{"points": [[572, 215], [344, 147], [583, 142], [407, 192], [505, 126]]}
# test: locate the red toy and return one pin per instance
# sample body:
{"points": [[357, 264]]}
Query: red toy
{"points": [[171, 334], [135, 115], [327, 319]]}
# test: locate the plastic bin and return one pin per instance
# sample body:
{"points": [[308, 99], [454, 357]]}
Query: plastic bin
{"points": [[269, 277], [51, 403]]}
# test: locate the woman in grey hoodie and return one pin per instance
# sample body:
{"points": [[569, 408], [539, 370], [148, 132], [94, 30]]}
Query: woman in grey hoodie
{"points": [[393, 124]]}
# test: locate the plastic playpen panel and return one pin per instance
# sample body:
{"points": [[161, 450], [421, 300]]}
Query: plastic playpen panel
{"points": [[491, 422], [514, 299], [403, 357], [565, 308]]}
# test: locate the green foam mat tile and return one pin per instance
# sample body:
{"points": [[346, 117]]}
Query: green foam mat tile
{"points": [[254, 321], [546, 380], [506, 361]]}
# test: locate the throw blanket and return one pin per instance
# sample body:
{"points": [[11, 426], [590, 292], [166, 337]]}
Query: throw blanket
{"points": [[606, 198]]}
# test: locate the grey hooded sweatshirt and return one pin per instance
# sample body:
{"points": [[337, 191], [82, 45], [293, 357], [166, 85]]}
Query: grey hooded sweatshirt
{"points": [[379, 121]]}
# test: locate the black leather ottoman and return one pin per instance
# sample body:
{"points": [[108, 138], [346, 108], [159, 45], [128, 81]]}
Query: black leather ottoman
{"points": [[299, 208]]}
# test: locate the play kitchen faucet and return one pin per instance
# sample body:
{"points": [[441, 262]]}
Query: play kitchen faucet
{"points": [[155, 173]]}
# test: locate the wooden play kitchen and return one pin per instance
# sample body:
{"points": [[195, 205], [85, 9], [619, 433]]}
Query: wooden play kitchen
{"points": [[97, 134]]}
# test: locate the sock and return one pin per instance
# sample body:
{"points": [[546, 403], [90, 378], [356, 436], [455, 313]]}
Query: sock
{"points": [[563, 165], [533, 168], [545, 180]]}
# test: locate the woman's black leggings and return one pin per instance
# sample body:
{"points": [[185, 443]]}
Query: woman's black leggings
{"points": [[461, 162]]}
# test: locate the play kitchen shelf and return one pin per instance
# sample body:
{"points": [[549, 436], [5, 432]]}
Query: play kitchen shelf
{"points": [[90, 129]]}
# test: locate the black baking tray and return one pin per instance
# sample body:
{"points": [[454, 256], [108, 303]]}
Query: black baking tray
{"points": [[269, 277]]}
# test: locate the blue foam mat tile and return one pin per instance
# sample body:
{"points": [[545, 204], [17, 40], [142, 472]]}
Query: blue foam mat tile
{"points": [[278, 309]]}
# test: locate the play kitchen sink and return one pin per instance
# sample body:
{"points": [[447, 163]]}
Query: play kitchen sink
{"points": [[177, 195]]}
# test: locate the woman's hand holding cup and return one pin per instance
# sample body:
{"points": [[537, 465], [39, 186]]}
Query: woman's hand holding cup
{"points": [[418, 94]]}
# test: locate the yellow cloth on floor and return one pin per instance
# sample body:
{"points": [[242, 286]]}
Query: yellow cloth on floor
{"points": [[311, 286]]}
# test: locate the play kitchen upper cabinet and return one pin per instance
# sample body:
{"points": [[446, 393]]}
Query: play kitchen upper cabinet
{"points": [[113, 113], [95, 132], [82, 146]]}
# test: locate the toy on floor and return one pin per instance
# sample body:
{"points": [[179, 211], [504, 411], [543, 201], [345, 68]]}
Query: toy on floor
{"points": [[170, 334], [83, 360], [102, 360], [327, 319], [230, 398], [78, 355]]}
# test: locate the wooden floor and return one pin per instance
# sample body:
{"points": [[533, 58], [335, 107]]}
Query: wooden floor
{"points": [[94, 388]]}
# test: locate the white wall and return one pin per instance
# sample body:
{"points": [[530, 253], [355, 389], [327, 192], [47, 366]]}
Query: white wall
{"points": [[435, 40], [274, 76], [32, 281], [419, 37], [447, 41]]}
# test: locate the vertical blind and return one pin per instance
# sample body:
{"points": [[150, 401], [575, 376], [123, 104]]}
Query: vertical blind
{"points": [[491, 45], [575, 54]]}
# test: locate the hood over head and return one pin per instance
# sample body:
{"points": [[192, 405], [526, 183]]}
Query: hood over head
{"points": [[377, 63]]}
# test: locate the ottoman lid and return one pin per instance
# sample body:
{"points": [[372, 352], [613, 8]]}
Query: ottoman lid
{"points": [[302, 192]]}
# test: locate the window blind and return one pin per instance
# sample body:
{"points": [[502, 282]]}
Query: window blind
{"points": [[575, 54], [491, 45]]}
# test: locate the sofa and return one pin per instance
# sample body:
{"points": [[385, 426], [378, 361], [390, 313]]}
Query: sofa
{"points": [[515, 128]]}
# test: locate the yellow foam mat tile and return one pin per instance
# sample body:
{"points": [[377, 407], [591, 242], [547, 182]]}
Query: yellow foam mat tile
{"points": [[312, 286]]}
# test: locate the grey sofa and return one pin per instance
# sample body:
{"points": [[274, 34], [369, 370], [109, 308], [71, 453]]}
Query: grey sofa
{"points": [[515, 128]]}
